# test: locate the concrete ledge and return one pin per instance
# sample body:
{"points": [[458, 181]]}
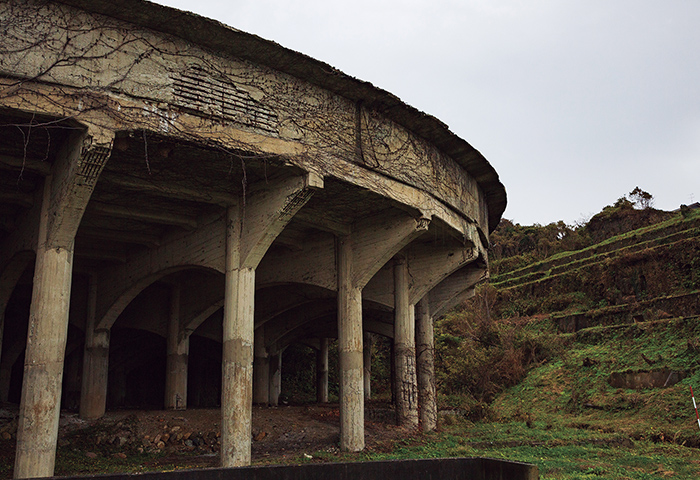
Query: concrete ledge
{"points": [[429, 469]]}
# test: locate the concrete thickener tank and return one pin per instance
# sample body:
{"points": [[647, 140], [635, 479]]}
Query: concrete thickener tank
{"points": [[167, 181]]}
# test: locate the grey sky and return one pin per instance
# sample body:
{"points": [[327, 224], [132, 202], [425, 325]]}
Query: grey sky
{"points": [[574, 102]]}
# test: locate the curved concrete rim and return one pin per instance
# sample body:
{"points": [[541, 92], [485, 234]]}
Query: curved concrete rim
{"points": [[219, 37]]}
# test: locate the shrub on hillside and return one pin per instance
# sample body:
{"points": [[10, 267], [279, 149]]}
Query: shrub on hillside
{"points": [[477, 356]]}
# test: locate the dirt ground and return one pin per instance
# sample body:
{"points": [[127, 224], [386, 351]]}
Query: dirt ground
{"points": [[191, 438]]}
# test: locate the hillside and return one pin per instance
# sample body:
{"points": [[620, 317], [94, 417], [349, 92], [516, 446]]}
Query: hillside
{"points": [[580, 353]]}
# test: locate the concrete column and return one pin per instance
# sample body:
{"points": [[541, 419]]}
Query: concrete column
{"points": [[71, 379], [93, 389], [322, 371], [425, 364], [392, 372], [367, 362], [261, 369], [5, 377], [405, 348], [37, 431], [117, 392], [178, 346], [237, 367], [352, 400], [275, 378]]}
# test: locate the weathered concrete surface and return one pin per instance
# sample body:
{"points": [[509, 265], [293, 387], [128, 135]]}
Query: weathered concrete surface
{"points": [[427, 469], [271, 188], [404, 348], [425, 366], [322, 371], [352, 401], [367, 364], [178, 347]]}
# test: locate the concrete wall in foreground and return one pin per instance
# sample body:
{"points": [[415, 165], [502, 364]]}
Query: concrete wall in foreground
{"points": [[426, 469]]}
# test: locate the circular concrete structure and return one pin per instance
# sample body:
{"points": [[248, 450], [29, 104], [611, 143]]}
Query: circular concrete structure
{"points": [[164, 176]]}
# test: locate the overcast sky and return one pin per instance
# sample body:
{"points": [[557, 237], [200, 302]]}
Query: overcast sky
{"points": [[574, 102]]}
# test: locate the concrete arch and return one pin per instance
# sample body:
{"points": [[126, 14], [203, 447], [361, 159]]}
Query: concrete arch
{"points": [[274, 300], [326, 326], [123, 300]]}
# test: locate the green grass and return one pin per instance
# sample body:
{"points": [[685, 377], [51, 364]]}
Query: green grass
{"points": [[564, 453]]}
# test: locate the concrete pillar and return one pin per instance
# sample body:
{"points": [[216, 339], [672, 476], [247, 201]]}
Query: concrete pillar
{"points": [[5, 377], [425, 364], [250, 231], [367, 363], [275, 378], [237, 367], [93, 389], [392, 372], [405, 348], [37, 431], [352, 400], [322, 371], [261, 369], [178, 350], [71, 380], [117, 390]]}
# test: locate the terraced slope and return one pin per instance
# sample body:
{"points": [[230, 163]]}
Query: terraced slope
{"points": [[645, 274]]}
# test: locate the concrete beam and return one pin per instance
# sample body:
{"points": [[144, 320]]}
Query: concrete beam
{"points": [[315, 265], [144, 215], [164, 190], [376, 240], [323, 224], [456, 288], [74, 176], [39, 167], [145, 239], [428, 265], [267, 211]]}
